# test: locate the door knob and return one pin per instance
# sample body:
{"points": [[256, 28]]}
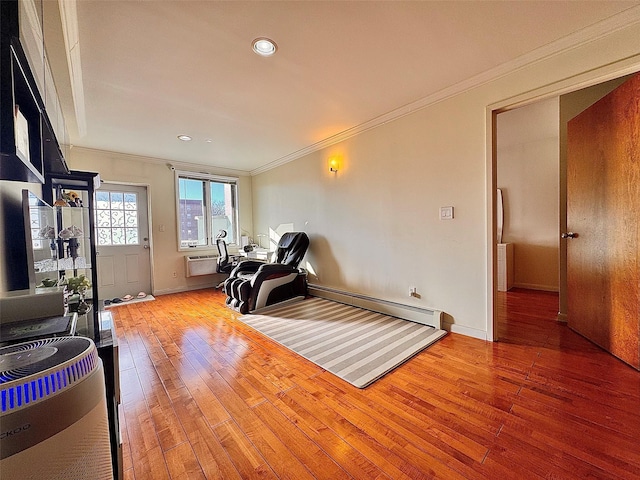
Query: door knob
{"points": [[146, 246], [569, 235]]}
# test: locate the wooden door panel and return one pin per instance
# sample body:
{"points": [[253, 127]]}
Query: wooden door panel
{"points": [[603, 205]]}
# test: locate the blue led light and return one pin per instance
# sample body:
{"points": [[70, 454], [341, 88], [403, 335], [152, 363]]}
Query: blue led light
{"points": [[31, 391]]}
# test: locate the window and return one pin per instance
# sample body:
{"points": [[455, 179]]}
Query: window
{"points": [[35, 220], [117, 218], [206, 205]]}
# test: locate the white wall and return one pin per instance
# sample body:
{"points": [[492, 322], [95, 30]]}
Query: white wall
{"points": [[528, 174], [374, 225], [160, 181]]}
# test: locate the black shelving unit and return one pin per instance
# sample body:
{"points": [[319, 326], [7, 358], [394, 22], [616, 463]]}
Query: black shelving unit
{"points": [[83, 183], [23, 111], [101, 328]]}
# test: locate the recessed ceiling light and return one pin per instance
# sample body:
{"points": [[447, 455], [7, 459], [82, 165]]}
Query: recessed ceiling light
{"points": [[264, 46], [208, 140], [184, 138]]}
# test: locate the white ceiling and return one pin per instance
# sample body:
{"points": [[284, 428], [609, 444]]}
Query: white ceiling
{"points": [[153, 70]]}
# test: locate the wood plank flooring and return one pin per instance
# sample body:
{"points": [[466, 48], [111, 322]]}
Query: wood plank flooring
{"points": [[205, 396]]}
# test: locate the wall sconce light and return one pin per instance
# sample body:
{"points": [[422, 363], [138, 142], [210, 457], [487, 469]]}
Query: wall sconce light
{"points": [[334, 164]]}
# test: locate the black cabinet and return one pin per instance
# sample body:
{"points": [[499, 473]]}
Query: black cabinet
{"points": [[28, 146], [75, 236], [109, 354], [61, 240], [77, 255]]}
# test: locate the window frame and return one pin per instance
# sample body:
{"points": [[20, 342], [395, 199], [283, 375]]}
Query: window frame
{"points": [[208, 178], [38, 243]]}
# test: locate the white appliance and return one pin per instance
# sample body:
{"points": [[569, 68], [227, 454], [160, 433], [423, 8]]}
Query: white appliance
{"points": [[53, 418]]}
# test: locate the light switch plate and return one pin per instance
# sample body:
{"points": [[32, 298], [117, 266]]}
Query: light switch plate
{"points": [[446, 213]]}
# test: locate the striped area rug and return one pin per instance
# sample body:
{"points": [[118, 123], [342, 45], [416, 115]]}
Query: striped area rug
{"points": [[357, 345]]}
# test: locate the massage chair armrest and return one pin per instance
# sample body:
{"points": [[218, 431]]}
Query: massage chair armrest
{"points": [[246, 266], [277, 267], [273, 269]]}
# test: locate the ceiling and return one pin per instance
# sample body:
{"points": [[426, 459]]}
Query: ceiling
{"points": [[150, 71]]}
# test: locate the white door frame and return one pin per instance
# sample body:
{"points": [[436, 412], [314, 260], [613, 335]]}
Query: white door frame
{"points": [[147, 187], [571, 84]]}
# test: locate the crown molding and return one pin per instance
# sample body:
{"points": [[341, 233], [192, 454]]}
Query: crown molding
{"points": [[574, 40], [186, 166]]}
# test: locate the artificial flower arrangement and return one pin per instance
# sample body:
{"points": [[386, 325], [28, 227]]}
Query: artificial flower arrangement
{"points": [[77, 284], [68, 199]]}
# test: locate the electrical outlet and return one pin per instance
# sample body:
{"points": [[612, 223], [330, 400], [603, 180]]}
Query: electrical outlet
{"points": [[175, 274], [413, 291]]}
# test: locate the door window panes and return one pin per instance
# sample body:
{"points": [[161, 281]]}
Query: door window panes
{"points": [[117, 218]]}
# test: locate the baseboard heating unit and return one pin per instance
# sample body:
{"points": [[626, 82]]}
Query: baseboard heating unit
{"points": [[425, 316], [53, 420]]}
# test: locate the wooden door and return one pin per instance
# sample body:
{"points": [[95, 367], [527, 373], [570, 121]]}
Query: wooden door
{"points": [[603, 206]]}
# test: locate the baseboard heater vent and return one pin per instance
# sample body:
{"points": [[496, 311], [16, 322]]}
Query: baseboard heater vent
{"points": [[424, 316], [200, 264]]}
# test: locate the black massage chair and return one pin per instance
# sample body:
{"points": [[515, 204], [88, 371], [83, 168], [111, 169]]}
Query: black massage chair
{"points": [[253, 284]]}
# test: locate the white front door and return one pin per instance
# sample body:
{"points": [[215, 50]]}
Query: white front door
{"points": [[122, 241]]}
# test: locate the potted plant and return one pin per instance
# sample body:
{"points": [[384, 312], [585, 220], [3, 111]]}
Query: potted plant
{"points": [[77, 287]]}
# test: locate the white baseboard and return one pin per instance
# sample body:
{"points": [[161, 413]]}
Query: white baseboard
{"points": [[167, 291], [462, 330], [424, 316]]}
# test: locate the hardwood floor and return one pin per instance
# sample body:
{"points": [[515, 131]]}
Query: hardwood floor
{"points": [[204, 396]]}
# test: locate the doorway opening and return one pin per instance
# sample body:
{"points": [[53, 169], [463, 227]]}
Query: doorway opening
{"points": [[527, 178], [569, 101]]}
